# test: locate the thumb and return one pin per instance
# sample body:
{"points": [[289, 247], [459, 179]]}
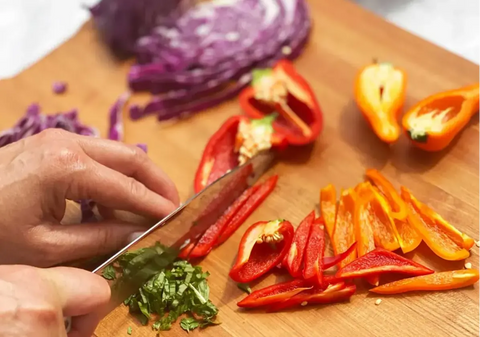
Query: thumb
{"points": [[79, 292], [84, 241]]}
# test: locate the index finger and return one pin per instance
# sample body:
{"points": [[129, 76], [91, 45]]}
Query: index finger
{"points": [[131, 161]]}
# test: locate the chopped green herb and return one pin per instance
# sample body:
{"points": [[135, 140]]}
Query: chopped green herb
{"points": [[109, 272], [188, 324], [129, 330], [173, 289], [245, 287]]}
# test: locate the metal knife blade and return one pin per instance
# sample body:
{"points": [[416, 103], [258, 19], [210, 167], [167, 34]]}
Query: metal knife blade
{"points": [[186, 224]]}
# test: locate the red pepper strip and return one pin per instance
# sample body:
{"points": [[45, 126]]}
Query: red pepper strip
{"points": [[330, 261], [294, 258], [206, 242], [283, 90], [332, 294], [438, 281], [314, 252], [263, 246], [380, 261], [251, 205], [274, 293], [222, 151]]}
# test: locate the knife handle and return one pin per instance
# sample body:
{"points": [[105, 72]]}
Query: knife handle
{"points": [[68, 323]]}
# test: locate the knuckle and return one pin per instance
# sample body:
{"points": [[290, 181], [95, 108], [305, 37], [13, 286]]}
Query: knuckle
{"points": [[44, 313], [49, 134], [136, 189], [138, 155]]}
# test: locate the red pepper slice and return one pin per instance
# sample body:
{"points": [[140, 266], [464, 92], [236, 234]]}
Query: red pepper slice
{"points": [[206, 242], [263, 246], [294, 258], [274, 293], [330, 261], [251, 205], [283, 90], [314, 252], [380, 261], [228, 147], [336, 292]]}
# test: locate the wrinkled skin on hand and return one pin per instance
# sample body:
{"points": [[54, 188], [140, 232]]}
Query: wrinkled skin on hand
{"points": [[34, 301], [40, 172]]}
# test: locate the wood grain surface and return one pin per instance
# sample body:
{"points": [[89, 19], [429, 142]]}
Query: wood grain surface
{"points": [[345, 37]]}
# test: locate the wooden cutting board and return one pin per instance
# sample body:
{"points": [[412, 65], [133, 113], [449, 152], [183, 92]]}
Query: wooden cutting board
{"points": [[345, 37]]}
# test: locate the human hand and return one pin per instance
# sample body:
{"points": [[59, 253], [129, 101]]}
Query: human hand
{"points": [[34, 301], [40, 172]]}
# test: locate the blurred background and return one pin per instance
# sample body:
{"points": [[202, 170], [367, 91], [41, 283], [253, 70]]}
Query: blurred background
{"points": [[29, 29]]}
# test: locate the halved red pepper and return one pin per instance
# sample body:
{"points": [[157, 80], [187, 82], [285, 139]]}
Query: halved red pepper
{"points": [[281, 89], [274, 294], [294, 258], [251, 205], [263, 246], [335, 292], [313, 269], [380, 261], [237, 140]]}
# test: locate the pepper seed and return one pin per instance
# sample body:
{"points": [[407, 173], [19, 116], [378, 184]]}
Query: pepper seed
{"points": [[468, 265], [377, 302], [304, 303]]}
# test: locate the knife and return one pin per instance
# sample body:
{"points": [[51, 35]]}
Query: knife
{"points": [[184, 225]]}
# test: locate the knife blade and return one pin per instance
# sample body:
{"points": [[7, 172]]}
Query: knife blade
{"points": [[183, 226]]}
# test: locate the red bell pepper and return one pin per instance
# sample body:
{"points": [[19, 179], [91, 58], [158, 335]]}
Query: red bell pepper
{"points": [[335, 292], [209, 238], [330, 261], [294, 258], [238, 139], [380, 261], [263, 246], [251, 205], [286, 92], [314, 252], [274, 293]]}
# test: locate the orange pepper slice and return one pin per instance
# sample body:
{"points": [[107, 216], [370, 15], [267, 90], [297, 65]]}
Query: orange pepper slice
{"points": [[443, 240], [438, 281], [399, 210], [408, 237], [328, 207], [363, 229], [434, 122], [344, 233], [380, 95]]}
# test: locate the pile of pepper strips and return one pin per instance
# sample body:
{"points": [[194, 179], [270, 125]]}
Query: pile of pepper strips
{"points": [[370, 221]]}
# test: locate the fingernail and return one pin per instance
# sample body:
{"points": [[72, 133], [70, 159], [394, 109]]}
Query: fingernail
{"points": [[134, 236]]}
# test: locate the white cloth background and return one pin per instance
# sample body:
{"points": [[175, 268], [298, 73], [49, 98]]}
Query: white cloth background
{"points": [[30, 29]]}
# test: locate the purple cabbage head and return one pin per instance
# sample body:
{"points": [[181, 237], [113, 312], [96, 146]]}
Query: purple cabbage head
{"points": [[122, 22]]}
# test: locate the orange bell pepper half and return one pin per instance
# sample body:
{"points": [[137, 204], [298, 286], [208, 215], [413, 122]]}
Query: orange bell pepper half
{"points": [[380, 95], [438, 281], [328, 207], [399, 210], [363, 229], [434, 122], [442, 238], [344, 233]]}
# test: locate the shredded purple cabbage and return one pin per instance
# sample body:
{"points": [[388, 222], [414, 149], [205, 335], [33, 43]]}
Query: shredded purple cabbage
{"points": [[34, 122], [59, 87], [115, 129]]}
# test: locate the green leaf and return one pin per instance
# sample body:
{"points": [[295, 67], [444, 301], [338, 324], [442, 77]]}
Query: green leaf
{"points": [[129, 330], [245, 287], [188, 324], [109, 272], [259, 74]]}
